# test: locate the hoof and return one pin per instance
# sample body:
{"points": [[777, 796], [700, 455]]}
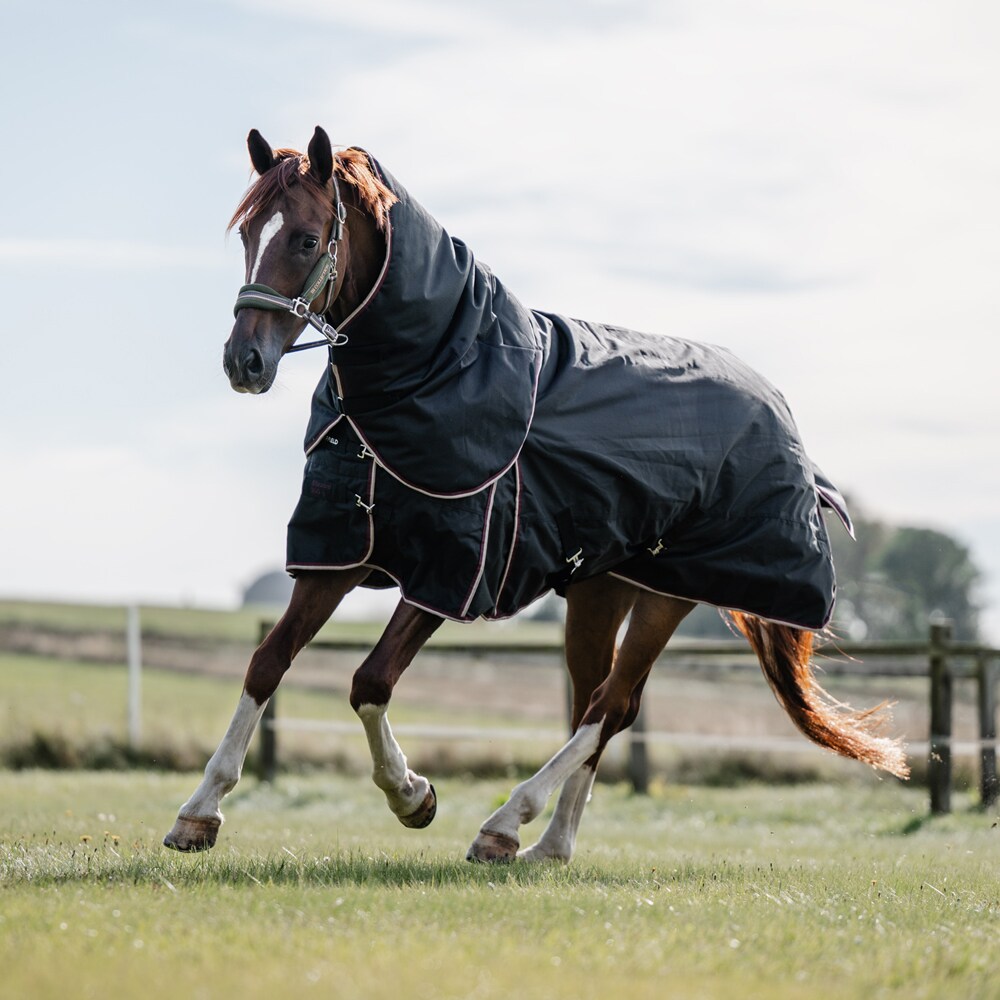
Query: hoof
{"points": [[192, 834], [424, 814], [493, 847]]}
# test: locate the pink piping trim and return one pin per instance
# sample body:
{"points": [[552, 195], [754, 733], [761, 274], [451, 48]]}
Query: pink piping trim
{"points": [[416, 604], [514, 533], [463, 493], [371, 537], [483, 546], [314, 444], [363, 304]]}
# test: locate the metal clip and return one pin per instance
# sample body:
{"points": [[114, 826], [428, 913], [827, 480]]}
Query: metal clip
{"points": [[659, 548], [576, 559], [339, 218], [366, 452], [366, 507], [333, 335], [299, 308]]}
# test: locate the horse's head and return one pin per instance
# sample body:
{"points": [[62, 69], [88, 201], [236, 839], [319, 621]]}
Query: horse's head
{"points": [[291, 223]]}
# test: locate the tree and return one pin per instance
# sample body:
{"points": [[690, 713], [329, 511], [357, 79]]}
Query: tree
{"points": [[935, 577], [893, 580]]}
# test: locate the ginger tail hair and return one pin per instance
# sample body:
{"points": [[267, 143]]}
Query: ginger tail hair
{"points": [[784, 654]]}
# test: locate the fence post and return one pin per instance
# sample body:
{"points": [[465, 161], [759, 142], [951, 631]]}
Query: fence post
{"points": [[133, 644], [638, 754], [989, 787], [939, 761], [267, 758], [267, 755]]}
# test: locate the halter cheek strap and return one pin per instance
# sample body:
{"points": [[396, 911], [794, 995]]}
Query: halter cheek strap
{"points": [[323, 275]]}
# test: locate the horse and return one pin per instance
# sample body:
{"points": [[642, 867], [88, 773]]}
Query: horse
{"points": [[478, 454]]}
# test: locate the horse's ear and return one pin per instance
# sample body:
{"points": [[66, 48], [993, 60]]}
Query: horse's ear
{"points": [[261, 154], [320, 156]]}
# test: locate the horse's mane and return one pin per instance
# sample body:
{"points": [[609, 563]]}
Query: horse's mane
{"points": [[351, 165]]}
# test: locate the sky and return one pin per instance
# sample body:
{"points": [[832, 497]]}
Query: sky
{"points": [[812, 185]]}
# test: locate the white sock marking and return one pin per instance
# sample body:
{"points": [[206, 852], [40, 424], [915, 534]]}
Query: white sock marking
{"points": [[528, 799], [224, 769], [559, 839], [267, 234], [387, 756], [404, 789]]}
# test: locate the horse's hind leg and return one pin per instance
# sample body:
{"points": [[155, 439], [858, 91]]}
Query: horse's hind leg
{"points": [[410, 796], [595, 610], [613, 706], [314, 598]]}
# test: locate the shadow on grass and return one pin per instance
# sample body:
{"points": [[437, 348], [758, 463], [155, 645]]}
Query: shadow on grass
{"points": [[49, 865], [913, 825], [928, 820]]}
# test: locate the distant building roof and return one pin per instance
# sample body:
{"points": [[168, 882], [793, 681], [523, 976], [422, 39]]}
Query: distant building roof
{"points": [[272, 588]]}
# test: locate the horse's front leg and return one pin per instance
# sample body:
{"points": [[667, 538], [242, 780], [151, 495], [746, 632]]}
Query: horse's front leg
{"points": [[314, 598], [410, 796]]}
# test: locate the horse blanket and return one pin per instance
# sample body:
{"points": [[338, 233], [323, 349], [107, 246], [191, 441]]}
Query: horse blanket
{"points": [[478, 454]]}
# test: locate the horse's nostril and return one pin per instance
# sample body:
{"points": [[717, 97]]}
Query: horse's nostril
{"points": [[254, 363]]}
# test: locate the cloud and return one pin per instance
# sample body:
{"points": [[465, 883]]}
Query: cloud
{"points": [[456, 20], [810, 185]]}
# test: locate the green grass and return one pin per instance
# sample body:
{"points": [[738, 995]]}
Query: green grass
{"points": [[171, 621], [845, 891], [79, 710]]}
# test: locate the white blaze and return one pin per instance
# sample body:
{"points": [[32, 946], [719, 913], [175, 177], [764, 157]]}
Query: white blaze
{"points": [[267, 234]]}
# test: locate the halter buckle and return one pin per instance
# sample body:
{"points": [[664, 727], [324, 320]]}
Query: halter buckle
{"points": [[299, 308]]}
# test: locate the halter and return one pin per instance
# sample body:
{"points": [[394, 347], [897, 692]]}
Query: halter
{"points": [[323, 275]]}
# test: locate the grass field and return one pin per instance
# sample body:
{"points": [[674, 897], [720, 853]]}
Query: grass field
{"points": [[845, 889], [243, 625], [841, 891]]}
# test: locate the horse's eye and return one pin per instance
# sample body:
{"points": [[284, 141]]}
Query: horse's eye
{"points": [[310, 243]]}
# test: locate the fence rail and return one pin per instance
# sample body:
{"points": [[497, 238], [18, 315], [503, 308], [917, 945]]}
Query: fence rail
{"points": [[939, 659]]}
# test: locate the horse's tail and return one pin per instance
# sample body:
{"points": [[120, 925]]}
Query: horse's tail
{"points": [[784, 654]]}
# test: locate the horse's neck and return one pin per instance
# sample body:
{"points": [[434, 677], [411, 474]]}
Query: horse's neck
{"points": [[364, 253]]}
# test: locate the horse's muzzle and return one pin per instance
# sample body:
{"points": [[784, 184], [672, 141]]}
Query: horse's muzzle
{"points": [[247, 367]]}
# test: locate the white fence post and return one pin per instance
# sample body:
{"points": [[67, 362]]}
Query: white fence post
{"points": [[134, 644]]}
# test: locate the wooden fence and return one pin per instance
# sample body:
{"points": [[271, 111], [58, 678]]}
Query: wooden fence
{"points": [[939, 659]]}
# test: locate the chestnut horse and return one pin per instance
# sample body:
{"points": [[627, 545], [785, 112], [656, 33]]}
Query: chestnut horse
{"points": [[315, 230]]}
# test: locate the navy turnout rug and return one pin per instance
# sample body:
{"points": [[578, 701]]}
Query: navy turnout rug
{"points": [[478, 454]]}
